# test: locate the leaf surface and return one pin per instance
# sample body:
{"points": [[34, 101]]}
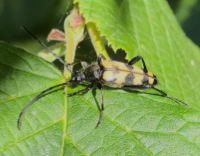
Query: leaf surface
{"points": [[135, 122]]}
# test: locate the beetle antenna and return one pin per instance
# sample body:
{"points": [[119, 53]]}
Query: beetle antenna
{"points": [[168, 96], [42, 44], [21, 116]]}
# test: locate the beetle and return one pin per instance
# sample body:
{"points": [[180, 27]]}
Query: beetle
{"points": [[110, 73]]}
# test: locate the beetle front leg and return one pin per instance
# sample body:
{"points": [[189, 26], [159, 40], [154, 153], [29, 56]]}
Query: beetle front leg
{"points": [[136, 59], [83, 64], [99, 59], [102, 105]]}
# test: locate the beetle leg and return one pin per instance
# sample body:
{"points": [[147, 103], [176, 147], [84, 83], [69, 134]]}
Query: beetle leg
{"points": [[99, 59], [83, 90], [72, 64], [137, 87], [136, 59], [84, 64], [160, 91], [76, 62], [165, 95], [102, 105]]}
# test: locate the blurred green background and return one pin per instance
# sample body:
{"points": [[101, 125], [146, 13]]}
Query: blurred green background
{"points": [[40, 16]]}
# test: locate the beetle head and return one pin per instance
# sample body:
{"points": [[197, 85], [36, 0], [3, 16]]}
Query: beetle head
{"points": [[77, 76]]}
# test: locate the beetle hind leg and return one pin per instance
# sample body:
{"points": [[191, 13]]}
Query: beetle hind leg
{"points": [[102, 105], [168, 96], [136, 59]]}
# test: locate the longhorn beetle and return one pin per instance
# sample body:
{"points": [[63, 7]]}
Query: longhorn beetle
{"points": [[110, 73]]}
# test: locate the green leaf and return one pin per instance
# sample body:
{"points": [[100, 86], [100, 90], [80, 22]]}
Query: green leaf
{"points": [[23, 76], [135, 122], [149, 29]]}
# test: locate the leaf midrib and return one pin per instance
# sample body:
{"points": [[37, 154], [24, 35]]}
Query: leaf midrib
{"points": [[64, 123]]}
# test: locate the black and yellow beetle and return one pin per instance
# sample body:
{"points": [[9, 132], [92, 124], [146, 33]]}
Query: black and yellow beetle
{"points": [[110, 73]]}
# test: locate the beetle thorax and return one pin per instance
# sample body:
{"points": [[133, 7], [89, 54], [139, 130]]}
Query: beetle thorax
{"points": [[92, 73]]}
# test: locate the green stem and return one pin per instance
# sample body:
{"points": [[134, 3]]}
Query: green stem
{"points": [[70, 45], [96, 40]]}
